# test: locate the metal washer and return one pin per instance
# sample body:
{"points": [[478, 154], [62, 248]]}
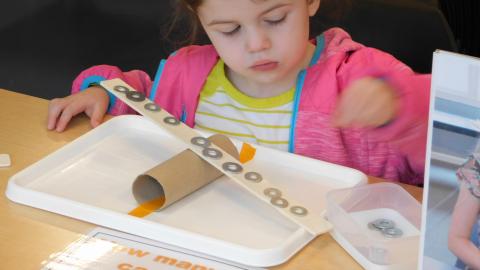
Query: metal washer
{"points": [[272, 192], [254, 177], [152, 107], [383, 223], [392, 232], [121, 89], [299, 210], [171, 120], [279, 202], [136, 96], [232, 167], [372, 227], [200, 141], [211, 153]]}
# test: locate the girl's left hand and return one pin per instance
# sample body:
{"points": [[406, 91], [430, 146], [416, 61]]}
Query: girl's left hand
{"points": [[367, 102]]}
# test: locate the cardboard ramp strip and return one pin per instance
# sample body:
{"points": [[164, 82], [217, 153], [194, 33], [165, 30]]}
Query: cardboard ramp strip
{"points": [[243, 174]]}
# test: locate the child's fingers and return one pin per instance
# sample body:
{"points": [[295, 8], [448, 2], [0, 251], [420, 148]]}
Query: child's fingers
{"points": [[68, 112], [341, 119], [366, 103], [347, 112], [367, 115], [97, 115], [361, 114], [55, 108]]}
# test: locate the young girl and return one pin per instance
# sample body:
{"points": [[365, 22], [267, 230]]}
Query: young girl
{"points": [[465, 215], [262, 80]]}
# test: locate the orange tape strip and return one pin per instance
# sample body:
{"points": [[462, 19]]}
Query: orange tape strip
{"points": [[147, 208], [247, 153]]}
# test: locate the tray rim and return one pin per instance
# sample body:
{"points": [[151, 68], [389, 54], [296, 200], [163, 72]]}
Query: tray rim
{"points": [[176, 236]]}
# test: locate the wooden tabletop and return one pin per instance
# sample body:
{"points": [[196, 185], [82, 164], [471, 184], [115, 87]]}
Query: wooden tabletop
{"points": [[29, 236]]}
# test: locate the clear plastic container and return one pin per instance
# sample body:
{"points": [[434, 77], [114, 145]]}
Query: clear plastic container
{"points": [[351, 210]]}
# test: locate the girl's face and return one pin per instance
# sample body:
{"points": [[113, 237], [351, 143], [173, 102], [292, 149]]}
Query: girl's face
{"points": [[262, 41]]}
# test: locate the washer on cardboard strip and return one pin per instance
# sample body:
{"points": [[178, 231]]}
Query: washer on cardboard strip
{"points": [[121, 89], [254, 177], [152, 107], [279, 202], [299, 210], [136, 96], [272, 192], [232, 167], [212, 153], [200, 141], [171, 120]]}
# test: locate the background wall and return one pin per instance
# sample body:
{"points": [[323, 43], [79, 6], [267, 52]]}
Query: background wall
{"points": [[13, 11], [45, 44], [464, 19]]}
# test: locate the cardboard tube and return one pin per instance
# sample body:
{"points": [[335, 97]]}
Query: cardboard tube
{"points": [[177, 177]]}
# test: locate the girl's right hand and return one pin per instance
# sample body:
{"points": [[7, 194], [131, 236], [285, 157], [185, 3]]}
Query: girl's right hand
{"points": [[93, 101]]}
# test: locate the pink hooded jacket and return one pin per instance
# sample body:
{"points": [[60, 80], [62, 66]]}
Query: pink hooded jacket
{"points": [[395, 151]]}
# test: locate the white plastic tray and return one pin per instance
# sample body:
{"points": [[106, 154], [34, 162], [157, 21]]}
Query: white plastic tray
{"points": [[90, 179]]}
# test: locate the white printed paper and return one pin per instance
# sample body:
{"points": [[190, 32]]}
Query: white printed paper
{"points": [[108, 249]]}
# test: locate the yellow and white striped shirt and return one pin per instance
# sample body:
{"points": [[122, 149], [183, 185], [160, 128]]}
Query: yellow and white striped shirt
{"points": [[224, 109]]}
